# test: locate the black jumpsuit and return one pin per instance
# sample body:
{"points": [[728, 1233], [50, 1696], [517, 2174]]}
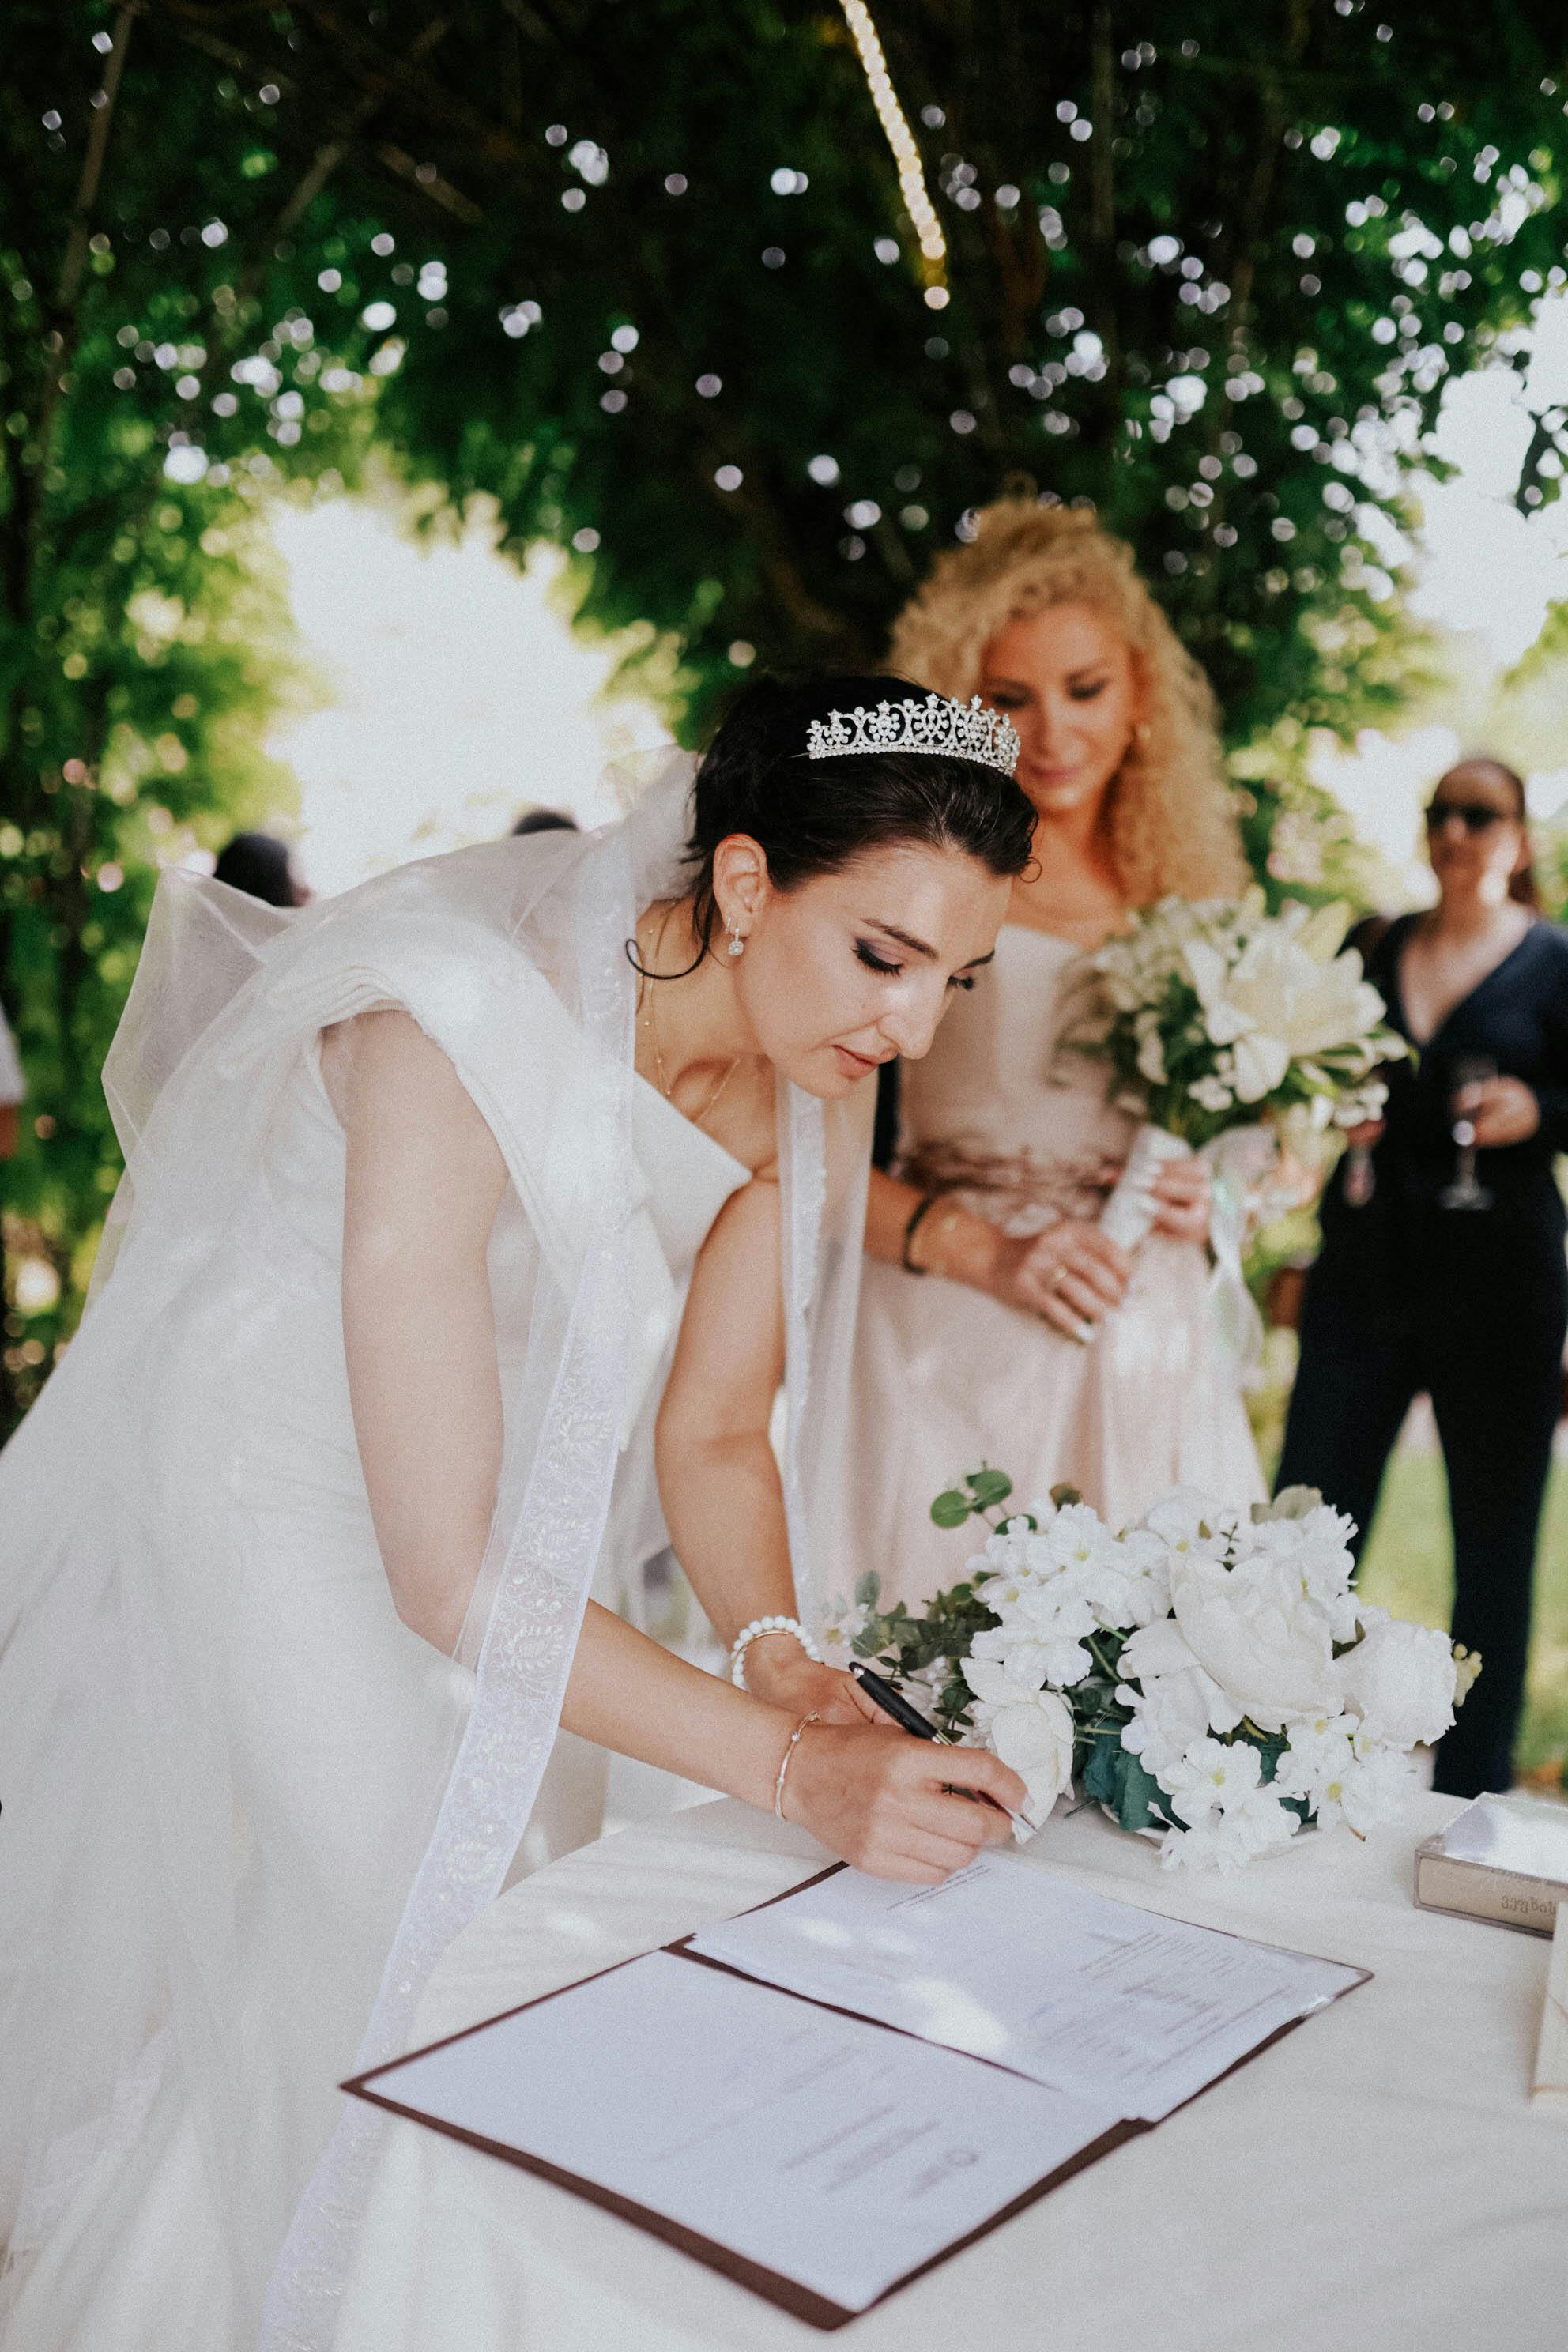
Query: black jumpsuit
{"points": [[1470, 1307]]}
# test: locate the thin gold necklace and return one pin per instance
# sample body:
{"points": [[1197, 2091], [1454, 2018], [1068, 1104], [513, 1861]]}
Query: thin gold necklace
{"points": [[646, 1010]]}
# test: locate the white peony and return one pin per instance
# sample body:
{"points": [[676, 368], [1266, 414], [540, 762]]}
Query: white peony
{"points": [[1316, 1550], [1159, 1657], [1400, 1680], [1030, 1731], [1259, 1633], [1289, 995]]}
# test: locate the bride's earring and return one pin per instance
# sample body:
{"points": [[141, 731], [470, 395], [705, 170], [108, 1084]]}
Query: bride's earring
{"points": [[737, 941]]}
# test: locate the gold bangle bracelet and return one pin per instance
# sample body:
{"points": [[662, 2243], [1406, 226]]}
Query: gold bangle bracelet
{"points": [[787, 1760]]}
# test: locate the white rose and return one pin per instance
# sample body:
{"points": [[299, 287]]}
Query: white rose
{"points": [[1399, 1679], [1260, 1636], [1031, 1731]]}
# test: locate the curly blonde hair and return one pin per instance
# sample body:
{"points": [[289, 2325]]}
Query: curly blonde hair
{"points": [[1171, 819]]}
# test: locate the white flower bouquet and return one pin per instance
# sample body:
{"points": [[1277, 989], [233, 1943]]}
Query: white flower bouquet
{"points": [[1210, 1675], [1216, 1015]]}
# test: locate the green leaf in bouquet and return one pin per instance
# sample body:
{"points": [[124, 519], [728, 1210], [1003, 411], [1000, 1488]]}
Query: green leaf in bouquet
{"points": [[989, 1488], [1114, 1777], [951, 1510], [869, 1590], [1099, 1770], [1143, 1803]]}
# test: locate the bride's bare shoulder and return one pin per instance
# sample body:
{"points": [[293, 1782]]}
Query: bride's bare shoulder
{"points": [[381, 1047]]}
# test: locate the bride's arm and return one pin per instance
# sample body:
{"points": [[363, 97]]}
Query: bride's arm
{"points": [[880, 1801], [718, 1477], [424, 1179]]}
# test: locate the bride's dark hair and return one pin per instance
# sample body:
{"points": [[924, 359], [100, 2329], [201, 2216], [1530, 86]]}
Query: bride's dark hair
{"points": [[813, 816]]}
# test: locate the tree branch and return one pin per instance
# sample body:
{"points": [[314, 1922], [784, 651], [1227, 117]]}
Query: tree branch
{"points": [[65, 335]]}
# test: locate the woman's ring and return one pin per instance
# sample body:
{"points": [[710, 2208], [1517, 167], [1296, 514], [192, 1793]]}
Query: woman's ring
{"points": [[1059, 1274]]}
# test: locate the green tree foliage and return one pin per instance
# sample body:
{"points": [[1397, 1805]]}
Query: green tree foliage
{"points": [[644, 274]]}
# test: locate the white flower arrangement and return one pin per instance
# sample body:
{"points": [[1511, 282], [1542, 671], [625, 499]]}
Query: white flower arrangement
{"points": [[1211, 1674], [1221, 1015]]}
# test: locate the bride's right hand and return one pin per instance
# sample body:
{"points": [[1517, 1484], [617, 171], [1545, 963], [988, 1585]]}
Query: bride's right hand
{"points": [[1071, 1274], [881, 1803]]}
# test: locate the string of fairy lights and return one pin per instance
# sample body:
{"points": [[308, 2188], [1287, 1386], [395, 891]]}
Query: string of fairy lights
{"points": [[905, 155]]}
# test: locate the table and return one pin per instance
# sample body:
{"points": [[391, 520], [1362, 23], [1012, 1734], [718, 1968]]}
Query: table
{"points": [[1378, 2182]]}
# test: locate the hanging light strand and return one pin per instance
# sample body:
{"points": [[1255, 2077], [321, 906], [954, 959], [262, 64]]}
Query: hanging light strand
{"points": [[906, 154]]}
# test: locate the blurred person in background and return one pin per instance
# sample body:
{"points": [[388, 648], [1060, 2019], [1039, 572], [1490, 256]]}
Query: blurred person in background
{"points": [[13, 1091], [1442, 1266], [13, 1094], [544, 820], [263, 867], [1001, 1324]]}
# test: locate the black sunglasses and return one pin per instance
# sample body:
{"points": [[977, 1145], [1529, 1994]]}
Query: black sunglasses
{"points": [[1476, 816]]}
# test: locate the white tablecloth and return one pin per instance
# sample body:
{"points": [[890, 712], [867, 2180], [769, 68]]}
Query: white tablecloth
{"points": [[1378, 2182]]}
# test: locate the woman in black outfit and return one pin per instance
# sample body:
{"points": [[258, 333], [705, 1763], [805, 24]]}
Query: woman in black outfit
{"points": [[1416, 1291]]}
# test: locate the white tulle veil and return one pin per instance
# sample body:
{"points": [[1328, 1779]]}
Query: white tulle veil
{"points": [[116, 1840]]}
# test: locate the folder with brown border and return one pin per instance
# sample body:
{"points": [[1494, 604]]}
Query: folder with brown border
{"points": [[804, 2302]]}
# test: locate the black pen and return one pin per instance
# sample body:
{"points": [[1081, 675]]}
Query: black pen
{"points": [[893, 1702], [910, 1719]]}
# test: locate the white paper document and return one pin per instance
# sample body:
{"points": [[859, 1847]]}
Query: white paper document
{"points": [[1120, 2006], [820, 2147]]}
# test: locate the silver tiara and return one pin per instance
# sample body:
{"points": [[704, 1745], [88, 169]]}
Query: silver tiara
{"points": [[960, 731]]}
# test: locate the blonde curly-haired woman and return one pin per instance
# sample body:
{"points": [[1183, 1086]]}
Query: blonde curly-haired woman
{"points": [[1001, 1324]]}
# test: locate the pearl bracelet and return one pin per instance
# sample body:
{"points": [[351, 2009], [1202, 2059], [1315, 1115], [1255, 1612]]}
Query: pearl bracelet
{"points": [[749, 1633], [787, 1760]]}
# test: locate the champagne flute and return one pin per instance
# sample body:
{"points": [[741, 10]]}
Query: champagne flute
{"points": [[1465, 1192], [1359, 1177]]}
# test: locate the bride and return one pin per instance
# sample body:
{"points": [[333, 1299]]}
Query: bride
{"points": [[471, 1222]]}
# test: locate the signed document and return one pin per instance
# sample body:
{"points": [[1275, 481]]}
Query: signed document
{"points": [[1117, 2006], [820, 2148]]}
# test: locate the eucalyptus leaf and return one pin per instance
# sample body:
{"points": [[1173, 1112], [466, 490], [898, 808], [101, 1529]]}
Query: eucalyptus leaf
{"points": [[990, 1488]]}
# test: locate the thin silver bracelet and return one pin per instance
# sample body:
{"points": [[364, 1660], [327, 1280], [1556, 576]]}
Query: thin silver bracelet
{"points": [[749, 1633], [785, 1761]]}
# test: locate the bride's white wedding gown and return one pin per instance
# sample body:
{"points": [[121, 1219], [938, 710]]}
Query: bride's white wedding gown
{"points": [[946, 1377], [233, 1781], [341, 1723]]}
